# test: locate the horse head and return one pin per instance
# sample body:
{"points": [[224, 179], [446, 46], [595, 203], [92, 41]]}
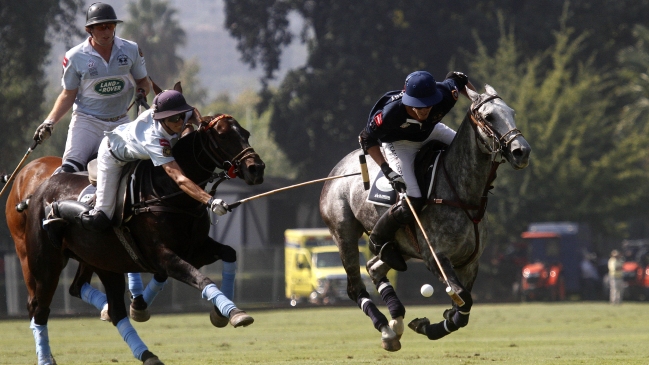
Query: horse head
{"points": [[495, 128], [228, 147]]}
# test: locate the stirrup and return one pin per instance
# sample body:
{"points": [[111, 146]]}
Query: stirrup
{"points": [[391, 256]]}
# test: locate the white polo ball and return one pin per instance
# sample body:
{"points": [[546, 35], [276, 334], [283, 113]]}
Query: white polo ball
{"points": [[427, 290]]}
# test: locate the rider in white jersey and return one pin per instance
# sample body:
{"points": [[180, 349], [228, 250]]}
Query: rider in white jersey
{"points": [[99, 80]]}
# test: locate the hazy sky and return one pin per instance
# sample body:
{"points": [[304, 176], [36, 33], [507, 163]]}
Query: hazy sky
{"points": [[208, 41]]}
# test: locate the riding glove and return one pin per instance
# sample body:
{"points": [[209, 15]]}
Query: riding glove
{"points": [[140, 95], [218, 206], [44, 131], [396, 180]]}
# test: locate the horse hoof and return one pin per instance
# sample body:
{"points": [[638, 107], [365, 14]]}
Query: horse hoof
{"points": [[218, 320], [139, 310], [419, 325], [153, 361], [397, 326], [239, 318], [104, 316], [391, 344]]}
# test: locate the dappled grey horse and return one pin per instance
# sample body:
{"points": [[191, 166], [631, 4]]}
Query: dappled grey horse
{"points": [[486, 138]]}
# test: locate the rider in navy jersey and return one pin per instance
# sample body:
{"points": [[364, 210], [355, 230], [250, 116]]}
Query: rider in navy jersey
{"points": [[402, 122]]}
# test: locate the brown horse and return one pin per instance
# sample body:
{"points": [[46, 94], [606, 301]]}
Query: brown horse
{"points": [[172, 234]]}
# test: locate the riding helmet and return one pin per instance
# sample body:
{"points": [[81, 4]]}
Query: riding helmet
{"points": [[168, 103], [421, 90], [101, 13]]}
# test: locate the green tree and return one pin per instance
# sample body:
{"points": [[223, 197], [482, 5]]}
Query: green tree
{"points": [[584, 166], [360, 49], [152, 24], [27, 28]]}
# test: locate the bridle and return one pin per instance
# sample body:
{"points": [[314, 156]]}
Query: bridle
{"points": [[231, 165], [493, 144]]}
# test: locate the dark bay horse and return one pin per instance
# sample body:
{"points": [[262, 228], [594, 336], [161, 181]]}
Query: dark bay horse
{"points": [[486, 136], [173, 239]]}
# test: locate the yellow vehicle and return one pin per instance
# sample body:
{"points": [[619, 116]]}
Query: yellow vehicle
{"points": [[313, 269]]}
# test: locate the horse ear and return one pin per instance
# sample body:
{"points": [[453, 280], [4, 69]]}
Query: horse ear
{"points": [[156, 89], [178, 87], [472, 94], [490, 90]]}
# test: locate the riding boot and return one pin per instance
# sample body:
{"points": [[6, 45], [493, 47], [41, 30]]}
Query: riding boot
{"points": [[382, 241], [79, 213], [382, 238], [54, 226]]}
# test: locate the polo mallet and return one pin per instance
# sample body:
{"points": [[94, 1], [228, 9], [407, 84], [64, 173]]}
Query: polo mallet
{"points": [[236, 204], [18, 167], [364, 174], [456, 298]]}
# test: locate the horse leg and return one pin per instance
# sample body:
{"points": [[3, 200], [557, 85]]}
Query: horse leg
{"points": [[182, 271], [454, 318], [114, 285], [44, 282], [82, 289], [141, 297], [378, 270], [348, 248]]}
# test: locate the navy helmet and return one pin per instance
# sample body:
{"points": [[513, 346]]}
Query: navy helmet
{"points": [[421, 90]]}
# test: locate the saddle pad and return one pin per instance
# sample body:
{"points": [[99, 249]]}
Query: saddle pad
{"points": [[381, 192], [87, 194]]}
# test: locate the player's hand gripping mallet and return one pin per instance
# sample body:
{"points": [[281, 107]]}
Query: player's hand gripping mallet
{"points": [[456, 298]]}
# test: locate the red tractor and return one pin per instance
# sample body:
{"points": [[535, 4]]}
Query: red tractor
{"points": [[635, 270], [555, 250], [542, 281]]}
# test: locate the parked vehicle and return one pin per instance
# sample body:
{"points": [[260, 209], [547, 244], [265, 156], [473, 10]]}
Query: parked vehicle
{"points": [[555, 252], [635, 270], [314, 270]]}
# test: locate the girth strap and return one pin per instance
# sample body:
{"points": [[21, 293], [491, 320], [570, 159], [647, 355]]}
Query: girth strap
{"points": [[130, 246]]}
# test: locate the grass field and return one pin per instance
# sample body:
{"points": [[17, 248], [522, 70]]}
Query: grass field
{"points": [[529, 333]]}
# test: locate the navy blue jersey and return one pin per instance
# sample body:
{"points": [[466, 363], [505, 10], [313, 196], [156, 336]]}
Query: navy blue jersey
{"points": [[389, 122]]}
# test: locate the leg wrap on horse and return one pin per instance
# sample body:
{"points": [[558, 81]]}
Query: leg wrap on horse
{"points": [[93, 296], [390, 298], [369, 308], [460, 315], [220, 301], [135, 285], [436, 331], [152, 290], [227, 284], [42, 340], [131, 338]]}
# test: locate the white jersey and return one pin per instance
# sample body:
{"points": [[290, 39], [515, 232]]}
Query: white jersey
{"points": [[104, 88], [142, 139]]}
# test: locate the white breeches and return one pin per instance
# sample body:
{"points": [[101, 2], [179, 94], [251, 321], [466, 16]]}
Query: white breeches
{"points": [[108, 174], [400, 155], [84, 136]]}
